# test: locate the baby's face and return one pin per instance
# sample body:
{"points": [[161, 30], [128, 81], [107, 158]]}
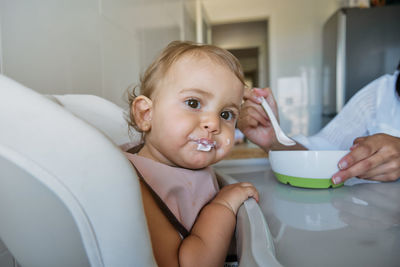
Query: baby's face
{"points": [[195, 108]]}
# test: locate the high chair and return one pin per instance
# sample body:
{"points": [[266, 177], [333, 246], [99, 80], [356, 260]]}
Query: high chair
{"points": [[107, 117], [69, 197]]}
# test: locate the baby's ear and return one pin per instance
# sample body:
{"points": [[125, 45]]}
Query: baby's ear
{"points": [[142, 111]]}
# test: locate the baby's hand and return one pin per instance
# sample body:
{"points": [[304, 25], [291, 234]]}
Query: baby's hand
{"points": [[232, 196]]}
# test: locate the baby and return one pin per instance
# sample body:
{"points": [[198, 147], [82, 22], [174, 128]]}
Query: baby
{"points": [[189, 101]]}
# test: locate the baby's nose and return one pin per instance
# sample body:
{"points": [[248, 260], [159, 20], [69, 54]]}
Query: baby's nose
{"points": [[211, 122]]}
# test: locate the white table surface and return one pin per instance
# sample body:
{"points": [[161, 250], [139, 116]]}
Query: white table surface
{"points": [[354, 225]]}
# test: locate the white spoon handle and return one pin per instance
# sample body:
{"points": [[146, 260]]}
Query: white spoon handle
{"points": [[280, 135]]}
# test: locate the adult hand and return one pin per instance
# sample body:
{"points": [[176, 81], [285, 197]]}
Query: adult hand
{"points": [[375, 157], [254, 122]]}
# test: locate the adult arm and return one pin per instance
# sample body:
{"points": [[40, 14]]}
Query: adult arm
{"points": [[374, 157]]}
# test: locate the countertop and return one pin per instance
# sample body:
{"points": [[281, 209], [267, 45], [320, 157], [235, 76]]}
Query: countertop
{"points": [[246, 151], [354, 225]]}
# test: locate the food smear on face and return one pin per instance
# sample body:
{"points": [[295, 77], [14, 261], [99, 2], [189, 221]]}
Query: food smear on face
{"points": [[202, 147], [205, 144]]}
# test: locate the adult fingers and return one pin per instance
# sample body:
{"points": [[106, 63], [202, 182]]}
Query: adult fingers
{"points": [[255, 93], [247, 122], [271, 101], [250, 111], [359, 140], [377, 157], [358, 168], [386, 177], [359, 152], [258, 115], [268, 95], [387, 171], [252, 100]]}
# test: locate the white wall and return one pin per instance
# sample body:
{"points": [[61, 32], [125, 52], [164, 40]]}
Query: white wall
{"points": [[101, 46], [87, 46], [295, 51]]}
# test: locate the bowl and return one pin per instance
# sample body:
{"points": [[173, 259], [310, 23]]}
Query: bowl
{"points": [[306, 168]]}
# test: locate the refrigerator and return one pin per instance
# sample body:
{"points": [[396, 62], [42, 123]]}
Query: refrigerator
{"points": [[359, 45]]}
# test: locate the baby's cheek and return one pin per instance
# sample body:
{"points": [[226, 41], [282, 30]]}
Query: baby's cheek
{"points": [[229, 143], [225, 147]]}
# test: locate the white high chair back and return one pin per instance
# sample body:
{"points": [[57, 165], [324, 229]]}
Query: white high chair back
{"points": [[68, 196], [100, 113]]}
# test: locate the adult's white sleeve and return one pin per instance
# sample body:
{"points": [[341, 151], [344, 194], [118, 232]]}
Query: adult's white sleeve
{"points": [[350, 123]]}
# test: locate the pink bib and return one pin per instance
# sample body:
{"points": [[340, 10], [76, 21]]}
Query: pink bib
{"points": [[184, 191]]}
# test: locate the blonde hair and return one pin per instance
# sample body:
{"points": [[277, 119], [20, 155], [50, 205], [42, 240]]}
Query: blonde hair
{"points": [[173, 52]]}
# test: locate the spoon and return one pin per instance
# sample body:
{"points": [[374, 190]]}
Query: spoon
{"points": [[280, 135]]}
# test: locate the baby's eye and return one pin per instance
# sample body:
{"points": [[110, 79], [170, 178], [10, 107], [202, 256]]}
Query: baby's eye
{"points": [[227, 115], [193, 103]]}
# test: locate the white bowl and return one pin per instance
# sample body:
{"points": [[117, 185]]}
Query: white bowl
{"points": [[306, 168]]}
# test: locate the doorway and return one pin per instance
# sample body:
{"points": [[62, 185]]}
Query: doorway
{"points": [[248, 41], [248, 58]]}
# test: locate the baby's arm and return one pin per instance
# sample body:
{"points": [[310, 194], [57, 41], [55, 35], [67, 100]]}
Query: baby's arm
{"points": [[208, 242]]}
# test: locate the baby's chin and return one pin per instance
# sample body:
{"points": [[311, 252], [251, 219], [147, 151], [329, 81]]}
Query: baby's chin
{"points": [[195, 165], [199, 163]]}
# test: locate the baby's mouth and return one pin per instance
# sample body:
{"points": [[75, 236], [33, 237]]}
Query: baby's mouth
{"points": [[204, 144]]}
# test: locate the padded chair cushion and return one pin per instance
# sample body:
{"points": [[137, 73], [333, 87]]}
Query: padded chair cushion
{"points": [[98, 184], [100, 113]]}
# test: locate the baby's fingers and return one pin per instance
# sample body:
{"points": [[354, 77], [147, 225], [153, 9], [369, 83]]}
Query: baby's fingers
{"points": [[250, 190]]}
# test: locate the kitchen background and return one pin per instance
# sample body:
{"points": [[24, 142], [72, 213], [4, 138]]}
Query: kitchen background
{"points": [[101, 47]]}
